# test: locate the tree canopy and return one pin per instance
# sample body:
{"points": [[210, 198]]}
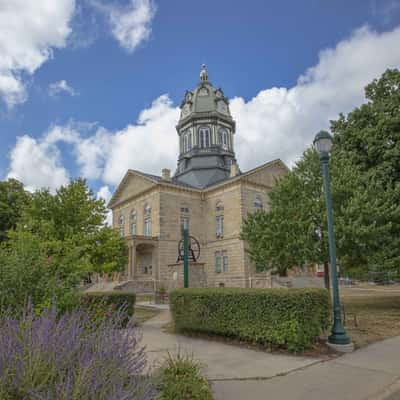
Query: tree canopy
{"points": [[13, 198], [365, 172], [59, 240]]}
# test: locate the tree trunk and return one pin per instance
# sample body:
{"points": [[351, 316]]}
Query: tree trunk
{"points": [[326, 275], [283, 273]]}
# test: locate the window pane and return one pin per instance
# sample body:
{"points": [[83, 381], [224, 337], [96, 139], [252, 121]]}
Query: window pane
{"points": [[225, 263], [218, 261], [147, 227], [220, 225], [204, 134]]}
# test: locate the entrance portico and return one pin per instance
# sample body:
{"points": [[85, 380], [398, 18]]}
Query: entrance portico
{"points": [[143, 257]]}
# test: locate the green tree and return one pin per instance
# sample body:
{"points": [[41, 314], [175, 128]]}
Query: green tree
{"points": [[60, 240], [365, 172], [13, 198], [73, 215], [294, 230], [370, 137]]}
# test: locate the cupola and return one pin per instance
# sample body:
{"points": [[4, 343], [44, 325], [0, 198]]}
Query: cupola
{"points": [[206, 135]]}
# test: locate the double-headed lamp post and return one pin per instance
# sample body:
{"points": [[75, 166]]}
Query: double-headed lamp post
{"points": [[338, 337]]}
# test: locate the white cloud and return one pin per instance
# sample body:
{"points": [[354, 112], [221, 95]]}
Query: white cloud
{"points": [[149, 145], [29, 30], [61, 86], [106, 194], [282, 122], [37, 164], [277, 122], [131, 25]]}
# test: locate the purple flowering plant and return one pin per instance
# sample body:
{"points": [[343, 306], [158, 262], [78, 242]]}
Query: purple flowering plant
{"points": [[69, 356]]}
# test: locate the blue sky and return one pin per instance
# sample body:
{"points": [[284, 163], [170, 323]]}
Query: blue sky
{"points": [[94, 88]]}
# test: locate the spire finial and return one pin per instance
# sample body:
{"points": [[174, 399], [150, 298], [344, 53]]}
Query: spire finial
{"points": [[203, 73]]}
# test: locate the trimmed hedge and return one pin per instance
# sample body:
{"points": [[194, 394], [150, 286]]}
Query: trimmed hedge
{"points": [[289, 318], [104, 305]]}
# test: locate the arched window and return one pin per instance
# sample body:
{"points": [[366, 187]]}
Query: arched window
{"points": [[223, 138], [258, 205], [147, 209], [121, 223], [204, 136], [185, 138], [187, 141], [219, 219], [133, 222], [147, 220], [189, 136]]}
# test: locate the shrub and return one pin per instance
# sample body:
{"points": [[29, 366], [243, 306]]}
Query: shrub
{"points": [[103, 305], [275, 317], [68, 357], [181, 379]]}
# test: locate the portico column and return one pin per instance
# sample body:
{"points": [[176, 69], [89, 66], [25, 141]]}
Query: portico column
{"points": [[133, 261], [128, 266]]}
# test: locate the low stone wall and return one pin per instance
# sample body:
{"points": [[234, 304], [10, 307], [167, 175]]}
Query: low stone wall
{"points": [[286, 282], [198, 279], [138, 286], [197, 276]]}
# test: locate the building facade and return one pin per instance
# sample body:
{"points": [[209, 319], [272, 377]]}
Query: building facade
{"points": [[208, 194]]}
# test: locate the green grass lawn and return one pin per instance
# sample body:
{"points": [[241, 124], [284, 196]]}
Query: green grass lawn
{"points": [[371, 314]]}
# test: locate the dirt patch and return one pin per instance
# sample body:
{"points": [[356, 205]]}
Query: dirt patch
{"points": [[371, 315]]}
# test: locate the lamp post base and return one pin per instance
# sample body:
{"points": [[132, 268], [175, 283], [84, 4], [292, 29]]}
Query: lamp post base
{"points": [[341, 348]]}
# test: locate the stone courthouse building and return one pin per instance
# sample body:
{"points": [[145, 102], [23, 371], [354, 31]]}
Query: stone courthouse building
{"points": [[208, 193]]}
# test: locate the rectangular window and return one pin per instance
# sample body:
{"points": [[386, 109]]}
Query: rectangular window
{"points": [[220, 226], [133, 228], [121, 231], [225, 262], [218, 262], [147, 227]]}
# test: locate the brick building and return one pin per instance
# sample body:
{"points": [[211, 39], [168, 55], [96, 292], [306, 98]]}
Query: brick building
{"points": [[208, 193]]}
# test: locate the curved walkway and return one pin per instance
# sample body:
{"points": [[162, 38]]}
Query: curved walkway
{"points": [[237, 373]]}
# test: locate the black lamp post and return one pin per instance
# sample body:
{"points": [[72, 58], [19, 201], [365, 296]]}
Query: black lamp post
{"points": [[323, 144]]}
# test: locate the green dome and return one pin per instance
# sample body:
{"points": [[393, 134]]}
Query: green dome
{"points": [[205, 98]]}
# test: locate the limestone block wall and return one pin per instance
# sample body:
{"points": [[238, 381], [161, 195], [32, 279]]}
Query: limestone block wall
{"points": [[230, 196], [268, 174], [168, 254], [138, 203], [197, 276], [249, 194], [133, 185], [171, 203], [235, 275]]}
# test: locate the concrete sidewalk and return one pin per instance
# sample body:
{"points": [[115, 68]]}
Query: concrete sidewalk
{"points": [[237, 373], [220, 360]]}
